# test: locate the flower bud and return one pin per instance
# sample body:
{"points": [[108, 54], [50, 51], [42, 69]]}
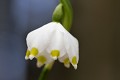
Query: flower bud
{"points": [[58, 13]]}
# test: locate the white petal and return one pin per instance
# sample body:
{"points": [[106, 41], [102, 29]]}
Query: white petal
{"points": [[71, 45], [67, 65], [31, 57], [63, 60], [26, 58], [27, 54], [47, 56], [53, 37], [39, 64], [75, 66], [67, 34], [40, 37], [54, 57], [57, 43], [70, 41]]}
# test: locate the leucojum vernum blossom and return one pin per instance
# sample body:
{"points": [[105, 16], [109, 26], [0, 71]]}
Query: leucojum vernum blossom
{"points": [[52, 41]]}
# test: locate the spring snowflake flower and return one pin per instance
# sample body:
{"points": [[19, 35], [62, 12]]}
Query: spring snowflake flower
{"points": [[51, 42]]}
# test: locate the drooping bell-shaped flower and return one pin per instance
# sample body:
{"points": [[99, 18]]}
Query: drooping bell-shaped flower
{"points": [[51, 42]]}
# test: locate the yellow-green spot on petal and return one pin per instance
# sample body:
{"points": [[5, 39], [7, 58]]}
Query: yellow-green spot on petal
{"points": [[74, 60], [55, 53], [27, 53], [42, 59], [34, 51], [66, 61]]}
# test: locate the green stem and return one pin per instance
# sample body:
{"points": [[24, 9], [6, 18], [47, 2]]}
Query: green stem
{"points": [[68, 14], [45, 71]]}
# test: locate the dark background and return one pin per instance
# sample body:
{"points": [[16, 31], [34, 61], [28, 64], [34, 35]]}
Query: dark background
{"points": [[96, 25]]}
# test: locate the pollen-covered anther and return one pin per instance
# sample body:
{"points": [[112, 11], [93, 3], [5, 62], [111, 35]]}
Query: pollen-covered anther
{"points": [[66, 63], [33, 53], [41, 60], [27, 54], [55, 54], [74, 62]]}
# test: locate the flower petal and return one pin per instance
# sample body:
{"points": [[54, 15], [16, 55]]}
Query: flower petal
{"points": [[71, 45], [64, 59], [43, 58], [27, 54], [56, 45], [50, 42], [40, 37]]}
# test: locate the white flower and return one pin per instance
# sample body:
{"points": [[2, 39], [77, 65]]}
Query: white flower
{"points": [[51, 42]]}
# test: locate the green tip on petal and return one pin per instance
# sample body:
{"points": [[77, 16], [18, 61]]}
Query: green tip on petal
{"points": [[27, 54], [74, 60], [42, 59], [55, 54], [66, 63], [33, 53], [39, 64]]}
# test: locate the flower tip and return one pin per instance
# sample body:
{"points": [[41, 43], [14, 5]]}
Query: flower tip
{"points": [[67, 65], [26, 58], [55, 58], [39, 64], [31, 57], [75, 67]]}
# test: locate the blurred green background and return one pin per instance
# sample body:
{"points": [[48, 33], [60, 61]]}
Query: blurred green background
{"points": [[96, 25]]}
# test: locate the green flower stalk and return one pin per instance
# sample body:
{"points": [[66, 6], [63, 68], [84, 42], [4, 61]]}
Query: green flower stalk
{"points": [[45, 71], [68, 14]]}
